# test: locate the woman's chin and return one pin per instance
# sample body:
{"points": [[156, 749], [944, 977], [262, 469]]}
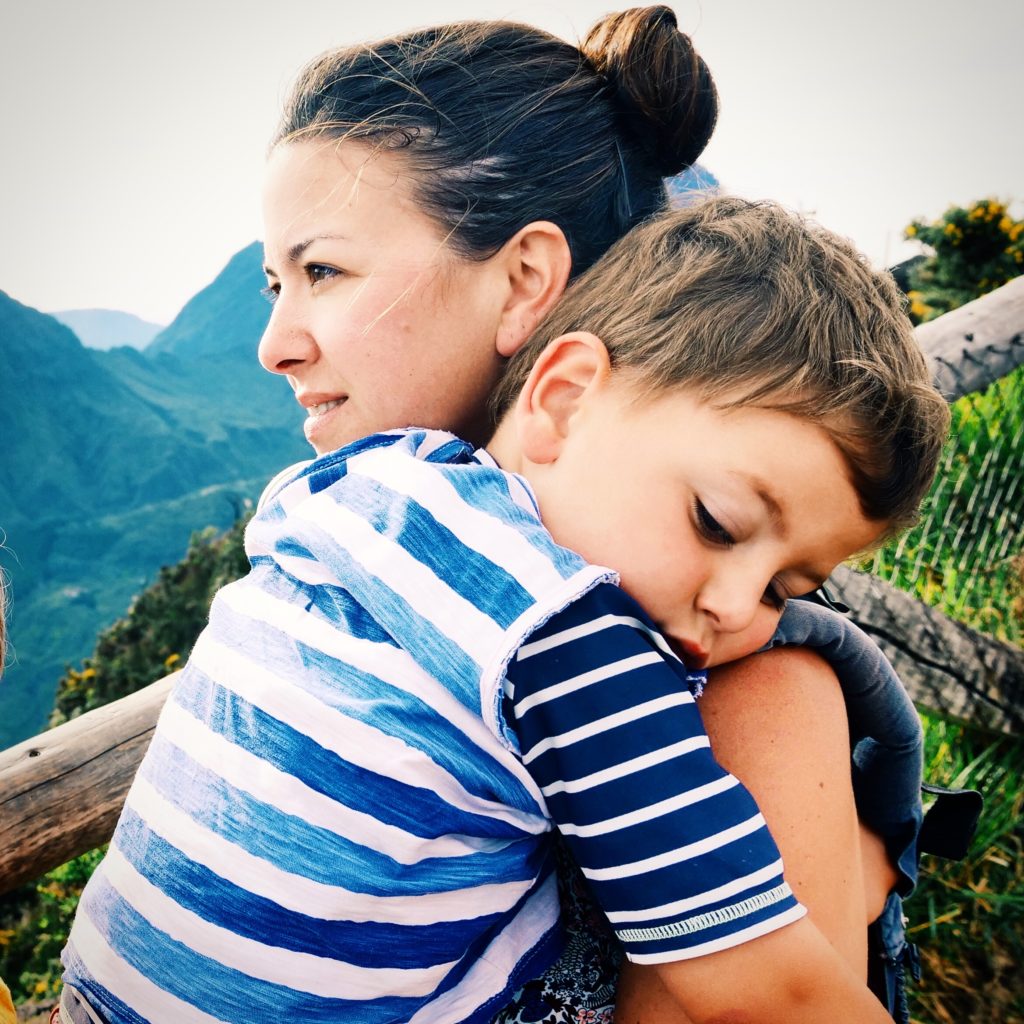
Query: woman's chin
{"points": [[330, 430]]}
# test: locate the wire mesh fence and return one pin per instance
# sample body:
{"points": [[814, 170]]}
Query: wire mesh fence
{"points": [[966, 555]]}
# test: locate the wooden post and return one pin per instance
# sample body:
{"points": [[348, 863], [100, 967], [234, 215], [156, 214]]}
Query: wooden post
{"points": [[62, 791], [973, 346]]}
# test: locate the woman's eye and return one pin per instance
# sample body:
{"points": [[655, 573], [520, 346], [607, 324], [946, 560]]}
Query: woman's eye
{"points": [[710, 527], [271, 292], [317, 272]]}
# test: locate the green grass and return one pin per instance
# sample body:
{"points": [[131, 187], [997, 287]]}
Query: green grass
{"points": [[966, 558], [968, 916]]}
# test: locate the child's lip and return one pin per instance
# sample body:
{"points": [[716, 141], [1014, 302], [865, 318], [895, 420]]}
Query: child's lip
{"points": [[694, 656]]}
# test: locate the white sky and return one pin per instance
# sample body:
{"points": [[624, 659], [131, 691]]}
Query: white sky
{"points": [[133, 132]]}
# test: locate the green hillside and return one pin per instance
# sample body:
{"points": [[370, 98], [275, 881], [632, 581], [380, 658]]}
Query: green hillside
{"points": [[113, 459]]}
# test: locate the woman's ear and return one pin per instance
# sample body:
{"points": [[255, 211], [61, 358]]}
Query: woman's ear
{"points": [[537, 261], [572, 369]]}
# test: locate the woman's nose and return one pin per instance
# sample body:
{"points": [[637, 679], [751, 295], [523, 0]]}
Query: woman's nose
{"points": [[285, 345]]}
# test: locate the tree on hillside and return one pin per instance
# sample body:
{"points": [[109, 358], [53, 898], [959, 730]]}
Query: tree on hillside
{"points": [[972, 250], [158, 631]]}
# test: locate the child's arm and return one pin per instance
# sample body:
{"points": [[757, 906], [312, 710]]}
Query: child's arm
{"points": [[674, 848], [791, 976]]}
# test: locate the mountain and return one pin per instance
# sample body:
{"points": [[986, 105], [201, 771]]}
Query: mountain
{"points": [[227, 315], [112, 459], [108, 328]]}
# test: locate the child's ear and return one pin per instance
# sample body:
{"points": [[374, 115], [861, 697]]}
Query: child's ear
{"points": [[535, 263], [571, 368]]}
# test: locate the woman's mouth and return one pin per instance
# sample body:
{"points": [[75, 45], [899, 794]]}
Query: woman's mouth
{"points": [[319, 426], [319, 410]]}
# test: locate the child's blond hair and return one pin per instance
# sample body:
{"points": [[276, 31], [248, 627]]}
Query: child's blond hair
{"points": [[749, 304]]}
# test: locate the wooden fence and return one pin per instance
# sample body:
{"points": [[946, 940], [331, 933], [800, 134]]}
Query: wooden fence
{"points": [[61, 792]]}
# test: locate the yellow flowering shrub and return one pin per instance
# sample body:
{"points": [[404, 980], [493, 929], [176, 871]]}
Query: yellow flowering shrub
{"points": [[972, 250]]}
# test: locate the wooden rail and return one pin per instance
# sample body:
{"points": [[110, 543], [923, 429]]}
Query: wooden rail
{"points": [[974, 345], [946, 666], [61, 791]]}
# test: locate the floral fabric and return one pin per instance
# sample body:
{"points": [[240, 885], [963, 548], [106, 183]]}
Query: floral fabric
{"points": [[579, 988]]}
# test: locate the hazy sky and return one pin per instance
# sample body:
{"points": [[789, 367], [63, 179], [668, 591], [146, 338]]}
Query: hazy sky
{"points": [[133, 133]]}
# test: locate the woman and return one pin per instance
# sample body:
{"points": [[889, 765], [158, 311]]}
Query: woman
{"points": [[428, 199], [521, 159]]}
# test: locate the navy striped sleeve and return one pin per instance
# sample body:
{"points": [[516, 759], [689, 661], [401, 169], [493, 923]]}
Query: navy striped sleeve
{"points": [[674, 847]]}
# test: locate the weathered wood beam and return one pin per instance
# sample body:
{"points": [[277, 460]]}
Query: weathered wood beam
{"points": [[946, 666], [62, 791], [971, 347]]}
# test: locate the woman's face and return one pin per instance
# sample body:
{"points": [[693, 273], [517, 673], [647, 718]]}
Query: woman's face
{"points": [[376, 323]]}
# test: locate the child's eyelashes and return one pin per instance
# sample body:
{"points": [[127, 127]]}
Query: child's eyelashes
{"points": [[710, 528], [714, 532], [270, 292]]}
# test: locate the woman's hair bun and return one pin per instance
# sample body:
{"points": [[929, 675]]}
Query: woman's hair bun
{"points": [[663, 86]]}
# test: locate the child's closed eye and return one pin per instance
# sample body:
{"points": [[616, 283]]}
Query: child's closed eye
{"points": [[709, 527]]}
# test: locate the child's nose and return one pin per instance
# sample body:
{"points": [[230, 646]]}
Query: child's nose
{"points": [[731, 601], [286, 344]]}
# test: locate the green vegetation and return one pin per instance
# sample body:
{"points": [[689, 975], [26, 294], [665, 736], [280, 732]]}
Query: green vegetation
{"points": [[968, 916], [157, 634], [965, 555], [975, 249], [154, 637], [34, 925]]}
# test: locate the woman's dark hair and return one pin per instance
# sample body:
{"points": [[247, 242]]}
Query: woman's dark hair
{"points": [[502, 124]]}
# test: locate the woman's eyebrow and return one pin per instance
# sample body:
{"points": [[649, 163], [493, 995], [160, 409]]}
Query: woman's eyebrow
{"points": [[300, 247], [296, 250]]}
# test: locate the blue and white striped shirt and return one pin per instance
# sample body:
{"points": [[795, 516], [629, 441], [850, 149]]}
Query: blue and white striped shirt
{"points": [[334, 821], [674, 847]]}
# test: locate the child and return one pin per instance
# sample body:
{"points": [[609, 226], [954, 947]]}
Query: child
{"points": [[346, 811]]}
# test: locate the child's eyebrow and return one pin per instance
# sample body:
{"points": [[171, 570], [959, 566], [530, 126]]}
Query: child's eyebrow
{"points": [[763, 490]]}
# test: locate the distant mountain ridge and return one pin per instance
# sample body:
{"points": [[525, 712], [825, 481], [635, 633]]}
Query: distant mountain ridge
{"points": [[199, 329], [113, 458], [108, 328]]}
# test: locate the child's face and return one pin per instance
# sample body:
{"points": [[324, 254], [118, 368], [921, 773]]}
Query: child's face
{"points": [[712, 518], [376, 323]]}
